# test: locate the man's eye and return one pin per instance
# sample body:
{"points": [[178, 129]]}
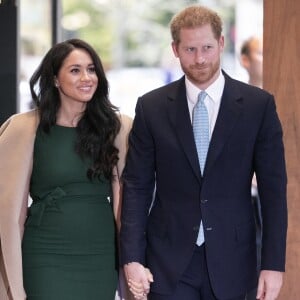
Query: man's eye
{"points": [[207, 47], [190, 49]]}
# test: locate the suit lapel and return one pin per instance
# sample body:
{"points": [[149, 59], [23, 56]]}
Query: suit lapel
{"points": [[181, 122], [229, 112]]}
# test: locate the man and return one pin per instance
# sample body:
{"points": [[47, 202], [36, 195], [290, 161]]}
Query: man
{"points": [[252, 60], [197, 236]]}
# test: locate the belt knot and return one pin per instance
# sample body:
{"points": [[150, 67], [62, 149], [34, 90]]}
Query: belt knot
{"points": [[47, 202]]}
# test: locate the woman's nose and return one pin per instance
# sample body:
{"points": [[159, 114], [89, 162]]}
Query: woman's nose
{"points": [[85, 76]]}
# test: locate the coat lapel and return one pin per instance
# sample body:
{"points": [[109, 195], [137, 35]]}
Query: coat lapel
{"points": [[229, 112], [181, 122]]}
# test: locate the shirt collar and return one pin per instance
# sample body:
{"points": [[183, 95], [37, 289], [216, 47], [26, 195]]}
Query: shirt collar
{"points": [[214, 91]]}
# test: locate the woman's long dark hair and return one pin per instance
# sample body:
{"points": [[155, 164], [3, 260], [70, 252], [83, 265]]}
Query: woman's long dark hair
{"points": [[99, 124]]}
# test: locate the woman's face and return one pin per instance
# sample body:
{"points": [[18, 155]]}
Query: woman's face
{"points": [[77, 80]]}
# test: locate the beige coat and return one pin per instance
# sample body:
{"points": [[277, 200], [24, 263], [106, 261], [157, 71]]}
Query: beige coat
{"points": [[17, 137]]}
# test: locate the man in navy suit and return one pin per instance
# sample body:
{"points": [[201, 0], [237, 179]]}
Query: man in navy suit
{"points": [[197, 236]]}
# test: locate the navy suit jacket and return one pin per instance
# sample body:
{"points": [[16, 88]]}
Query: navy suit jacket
{"points": [[162, 163]]}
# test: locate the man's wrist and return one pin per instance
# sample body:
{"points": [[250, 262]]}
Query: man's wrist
{"points": [[132, 262]]}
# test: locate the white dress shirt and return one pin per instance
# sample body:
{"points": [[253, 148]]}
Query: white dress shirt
{"points": [[212, 100]]}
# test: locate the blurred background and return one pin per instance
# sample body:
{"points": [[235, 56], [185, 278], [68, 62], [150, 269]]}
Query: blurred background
{"points": [[132, 38]]}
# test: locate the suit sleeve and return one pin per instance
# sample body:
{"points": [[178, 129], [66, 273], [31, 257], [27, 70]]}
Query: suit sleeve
{"points": [[272, 180], [138, 187]]}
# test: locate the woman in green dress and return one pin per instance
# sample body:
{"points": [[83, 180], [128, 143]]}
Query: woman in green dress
{"points": [[68, 250]]}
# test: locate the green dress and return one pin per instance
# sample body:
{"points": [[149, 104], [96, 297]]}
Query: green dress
{"points": [[69, 244]]}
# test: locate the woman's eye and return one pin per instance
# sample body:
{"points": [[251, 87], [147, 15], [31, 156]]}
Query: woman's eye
{"points": [[75, 70], [91, 70]]}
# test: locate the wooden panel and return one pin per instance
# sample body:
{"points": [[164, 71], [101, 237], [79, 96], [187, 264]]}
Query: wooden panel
{"points": [[282, 78]]}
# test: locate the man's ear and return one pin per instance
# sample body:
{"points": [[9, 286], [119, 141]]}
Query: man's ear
{"points": [[175, 47], [244, 59]]}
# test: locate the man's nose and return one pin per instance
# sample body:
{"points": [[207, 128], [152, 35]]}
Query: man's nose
{"points": [[200, 57]]}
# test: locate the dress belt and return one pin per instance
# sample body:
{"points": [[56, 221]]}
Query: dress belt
{"points": [[49, 200]]}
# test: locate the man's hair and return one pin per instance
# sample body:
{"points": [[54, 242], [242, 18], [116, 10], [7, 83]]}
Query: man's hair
{"points": [[246, 46], [195, 16]]}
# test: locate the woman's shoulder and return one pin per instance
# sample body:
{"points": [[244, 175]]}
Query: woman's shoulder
{"points": [[126, 122], [125, 118], [21, 122], [122, 136]]}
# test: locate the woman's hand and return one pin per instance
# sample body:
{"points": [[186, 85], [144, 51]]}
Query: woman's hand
{"points": [[138, 279]]}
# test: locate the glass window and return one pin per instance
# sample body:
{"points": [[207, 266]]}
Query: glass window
{"points": [[35, 40], [132, 38]]}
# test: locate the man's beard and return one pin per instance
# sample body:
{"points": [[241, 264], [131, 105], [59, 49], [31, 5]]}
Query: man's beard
{"points": [[202, 74]]}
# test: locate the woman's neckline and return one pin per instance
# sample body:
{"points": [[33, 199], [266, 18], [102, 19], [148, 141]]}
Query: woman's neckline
{"points": [[64, 126]]}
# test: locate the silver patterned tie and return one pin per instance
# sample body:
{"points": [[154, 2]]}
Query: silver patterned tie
{"points": [[201, 136]]}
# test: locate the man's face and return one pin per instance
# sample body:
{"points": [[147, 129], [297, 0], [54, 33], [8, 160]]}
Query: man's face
{"points": [[256, 59], [253, 62], [199, 54]]}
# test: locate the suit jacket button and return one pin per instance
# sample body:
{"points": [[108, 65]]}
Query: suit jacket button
{"points": [[208, 228], [203, 201]]}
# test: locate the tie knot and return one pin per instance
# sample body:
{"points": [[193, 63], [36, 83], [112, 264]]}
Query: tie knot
{"points": [[201, 97]]}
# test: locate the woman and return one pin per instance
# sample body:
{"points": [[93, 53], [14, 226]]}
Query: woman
{"points": [[68, 154]]}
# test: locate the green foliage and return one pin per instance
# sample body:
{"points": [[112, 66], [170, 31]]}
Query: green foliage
{"points": [[131, 32], [124, 32]]}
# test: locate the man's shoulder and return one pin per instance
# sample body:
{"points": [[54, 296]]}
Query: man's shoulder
{"points": [[168, 90], [245, 88]]}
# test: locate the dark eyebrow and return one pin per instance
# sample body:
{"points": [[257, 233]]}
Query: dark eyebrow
{"points": [[78, 66]]}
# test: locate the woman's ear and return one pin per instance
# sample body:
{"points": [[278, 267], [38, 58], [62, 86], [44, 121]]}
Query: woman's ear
{"points": [[56, 83]]}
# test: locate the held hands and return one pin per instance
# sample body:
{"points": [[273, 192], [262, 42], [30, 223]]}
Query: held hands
{"points": [[138, 279], [269, 285]]}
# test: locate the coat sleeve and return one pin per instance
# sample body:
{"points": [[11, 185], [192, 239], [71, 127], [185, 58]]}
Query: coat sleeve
{"points": [[16, 147], [272, 182], [3, 280], [121, 143], [138, 186]]}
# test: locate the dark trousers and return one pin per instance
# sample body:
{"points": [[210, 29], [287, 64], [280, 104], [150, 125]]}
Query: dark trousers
{"points": [[194, 284]]}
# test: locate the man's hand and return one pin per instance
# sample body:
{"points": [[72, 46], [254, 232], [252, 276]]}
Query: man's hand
{"points": [[138, 278], [269, 285]]}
